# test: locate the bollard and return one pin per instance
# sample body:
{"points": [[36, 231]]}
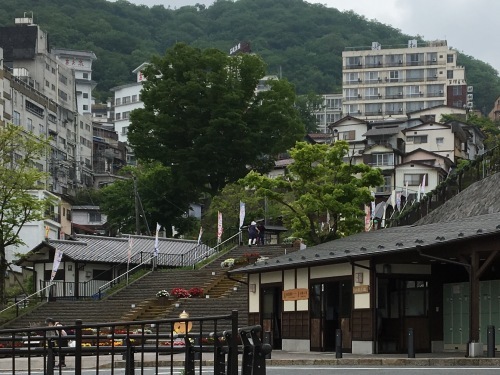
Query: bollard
{"points": [[267, 340], [338, 343], [411, 343], [491, 342]]}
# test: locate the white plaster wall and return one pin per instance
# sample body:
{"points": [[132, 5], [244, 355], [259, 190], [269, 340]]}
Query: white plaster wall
{"points": [[253, 298], [271, 277], [362, 300], [303, 282], [343, 269], [289, 283]]}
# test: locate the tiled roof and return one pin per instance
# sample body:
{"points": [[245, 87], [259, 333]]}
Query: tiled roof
{"points": [[99, 249], [390, 240], [482, 197], [382, 131]]}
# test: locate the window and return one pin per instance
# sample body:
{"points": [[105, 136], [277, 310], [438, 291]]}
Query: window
{"points": [[371, 93], [126, 99], [440, 140], [87, 127], [413, 91], [63, 95], [63, 79], [394, 76], [86, 95], [47, 84], [449, 58], [94, 217], [118, 116], [29, 125], [16, 118], [415, 75], [457, 90], [353, 61], [394, 60], [134, 98], [416, 179], [386, 187], [333, 103], [85, 75], [351, 93], [352, 77], [125, 115], [348, 135], [118, 101], [416, 139], [449, 74], [385, 159], [125, 130], [85, 107], [41, 129]]}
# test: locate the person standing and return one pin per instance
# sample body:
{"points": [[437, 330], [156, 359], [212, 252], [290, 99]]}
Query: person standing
{"points": [[262, 231], [61, 342], [253, 233]]}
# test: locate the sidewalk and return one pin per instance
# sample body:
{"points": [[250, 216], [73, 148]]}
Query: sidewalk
{"points": [[278, 358]]}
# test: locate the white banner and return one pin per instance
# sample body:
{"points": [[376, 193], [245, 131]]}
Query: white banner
{"points": [[219, 226], [242, 213], [199, 235], [57, 261], [158, 227]]}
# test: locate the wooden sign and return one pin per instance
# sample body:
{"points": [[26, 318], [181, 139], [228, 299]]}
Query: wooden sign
{"points": [[361, 289], [295, 294]]}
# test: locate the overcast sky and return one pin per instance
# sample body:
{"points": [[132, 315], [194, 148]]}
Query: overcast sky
{"points": [[469, 26]]}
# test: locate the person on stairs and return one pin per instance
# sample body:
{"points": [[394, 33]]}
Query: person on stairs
{"points": [[58, 334], [253, 234]]}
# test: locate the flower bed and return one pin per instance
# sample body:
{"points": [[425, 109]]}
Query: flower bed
{"points": [[180, 293]]}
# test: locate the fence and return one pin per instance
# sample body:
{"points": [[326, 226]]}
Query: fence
{"points": [[191, 343]]}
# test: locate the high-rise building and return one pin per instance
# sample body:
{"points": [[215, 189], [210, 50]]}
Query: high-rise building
{"points": [[382, 82]]}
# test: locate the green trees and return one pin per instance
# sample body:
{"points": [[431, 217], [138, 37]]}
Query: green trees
{"points": [[162, 201], [203, 119], [319, 184], [19, 154]]}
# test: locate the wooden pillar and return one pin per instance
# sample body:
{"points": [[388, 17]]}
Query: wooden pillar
{"points": [[474, 298]]}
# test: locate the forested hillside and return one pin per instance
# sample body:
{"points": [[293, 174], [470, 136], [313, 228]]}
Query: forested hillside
{"points": [[302, 42]]}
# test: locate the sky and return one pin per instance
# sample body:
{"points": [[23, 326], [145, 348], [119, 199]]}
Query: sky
{"points": [[469, 26]]}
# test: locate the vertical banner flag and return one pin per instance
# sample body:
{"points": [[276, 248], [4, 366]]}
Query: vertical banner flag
{"points": [[219, 226], [423, 185], [418, 192], [158, 227], [373, 205], [398, 200], [57, 261], [129, 251], [367, 218], [406, 191], [199, 235], [242, 213], [393, 199], [383, 216]]}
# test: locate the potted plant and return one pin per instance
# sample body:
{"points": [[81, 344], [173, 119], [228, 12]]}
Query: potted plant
{"points": [[162, 296], [251, 257], [228, 263]]}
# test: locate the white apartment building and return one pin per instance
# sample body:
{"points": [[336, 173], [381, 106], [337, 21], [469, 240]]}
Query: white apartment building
{"points": [[39, 94], [127, 98], [330, 112], [382, 82], [81, 64]]}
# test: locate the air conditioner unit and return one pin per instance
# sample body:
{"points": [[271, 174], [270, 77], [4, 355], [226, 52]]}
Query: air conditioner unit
{"points": [[400, 109], [470, 97], [386, 79], [359, 79], [434, 60], [379, 79], [470, 88], [359, 96], [400, 61], [441, 92], [359, 112], [400, 94], [379, 111], [435, 75], [470, 105], [379, 95], [380, 62]]}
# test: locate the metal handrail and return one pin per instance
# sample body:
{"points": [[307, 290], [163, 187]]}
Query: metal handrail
{"points": [[26, 298]]}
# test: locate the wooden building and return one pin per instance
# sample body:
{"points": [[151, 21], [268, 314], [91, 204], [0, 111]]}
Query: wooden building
{"points": [[440, 277]]}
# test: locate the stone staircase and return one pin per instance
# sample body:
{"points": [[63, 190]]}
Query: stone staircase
{"points": [[138, 300]]}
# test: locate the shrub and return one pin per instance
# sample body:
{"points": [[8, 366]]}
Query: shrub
{"points": [[196, 292]]}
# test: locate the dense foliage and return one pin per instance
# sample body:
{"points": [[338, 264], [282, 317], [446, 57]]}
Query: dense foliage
{"points": [[322, 196], [302, 42], [203, 119]]}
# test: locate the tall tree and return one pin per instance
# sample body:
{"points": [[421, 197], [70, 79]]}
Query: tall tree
{"points": [[161, 201], [19, 177], [318, 184], [307, 105], [203, 118]]}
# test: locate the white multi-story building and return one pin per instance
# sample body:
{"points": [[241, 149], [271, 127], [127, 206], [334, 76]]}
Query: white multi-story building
{"points": [[330, 112], [127, 98], [81, 63], [392, 82]]}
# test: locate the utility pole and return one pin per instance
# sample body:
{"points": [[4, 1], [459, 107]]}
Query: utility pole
{"points": [[137, 215]]}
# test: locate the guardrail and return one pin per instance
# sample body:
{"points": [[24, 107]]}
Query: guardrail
{"points": [[190, 343]]}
